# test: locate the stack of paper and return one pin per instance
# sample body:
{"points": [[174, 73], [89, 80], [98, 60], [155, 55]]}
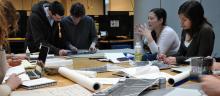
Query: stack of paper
{"points": [[19, 70], [73, 90], [58, 62], [35, 56], [145, 72], [27, 64], [184, 92], [114, 56]]}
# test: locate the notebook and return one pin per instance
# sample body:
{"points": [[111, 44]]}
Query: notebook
{"points": [[38, 83], [72, 90]]}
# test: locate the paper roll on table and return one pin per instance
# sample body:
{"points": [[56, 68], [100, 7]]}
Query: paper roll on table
{"points": [[91, 74], [179, 78], [80, 79]]}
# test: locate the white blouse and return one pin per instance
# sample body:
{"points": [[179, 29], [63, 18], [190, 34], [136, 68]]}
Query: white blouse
{"points": [[168, 42]]}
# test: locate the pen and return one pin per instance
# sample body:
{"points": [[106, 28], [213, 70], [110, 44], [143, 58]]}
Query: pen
{"points": [[158, 54], [15, 75], [158, 50], [20, 73]]}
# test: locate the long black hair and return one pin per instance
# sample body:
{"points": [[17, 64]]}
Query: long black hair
{"points": [[160, 14], [194, 11]]}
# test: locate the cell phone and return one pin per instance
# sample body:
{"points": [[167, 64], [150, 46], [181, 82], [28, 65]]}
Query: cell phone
{"points": [[44, 50]]}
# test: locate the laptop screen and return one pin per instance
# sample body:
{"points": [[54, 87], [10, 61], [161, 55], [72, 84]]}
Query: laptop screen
{"points": [[43, 53]]}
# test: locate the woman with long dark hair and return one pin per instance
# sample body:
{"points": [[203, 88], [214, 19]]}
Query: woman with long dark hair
{"points": [[197, 37]]}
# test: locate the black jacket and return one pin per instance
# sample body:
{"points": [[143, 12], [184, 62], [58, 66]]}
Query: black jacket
{"points": [[202, 44], [81, 35], [40, 31]]}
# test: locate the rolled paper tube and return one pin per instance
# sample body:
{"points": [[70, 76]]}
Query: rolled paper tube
{"points": [[79, 78]]}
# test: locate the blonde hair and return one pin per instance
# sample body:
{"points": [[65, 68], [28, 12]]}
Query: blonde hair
{"points": [[11, 16], [3, 25], [8, 19]]}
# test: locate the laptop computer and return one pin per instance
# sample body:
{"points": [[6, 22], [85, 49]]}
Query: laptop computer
{"points": [[37, 72]]}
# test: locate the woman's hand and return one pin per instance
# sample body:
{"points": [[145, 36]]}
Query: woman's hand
{"points": [[216, 66], [144, 30], [170, 60], [161, 57], [13, 81]]}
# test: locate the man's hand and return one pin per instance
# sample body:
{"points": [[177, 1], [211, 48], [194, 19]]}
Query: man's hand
{"points": [[73, 49], [14, 62], [15, 59], [62, 52], [211, 85], [13, 81], [92, 48]]}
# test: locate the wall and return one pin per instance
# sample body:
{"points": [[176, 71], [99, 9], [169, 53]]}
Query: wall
{"points": [[93, 7], [212, 13], [121, 5]]}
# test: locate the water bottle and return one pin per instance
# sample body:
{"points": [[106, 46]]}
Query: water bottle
{"points": [[138, 52], [28, 53]]}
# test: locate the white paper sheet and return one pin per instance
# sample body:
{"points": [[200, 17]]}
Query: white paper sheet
{"points": [[178, 77], [182, 68], [91, 74], [146, 72], [72, 90], [58, 62], [113, 57], [80, 79], [184, 92], [37, 55], [16, 70], [27, 64], [154, 75], [134, 71], [39, 81]]}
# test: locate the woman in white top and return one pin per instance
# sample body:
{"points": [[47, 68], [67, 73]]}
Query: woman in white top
{"points": [[159, 37]]}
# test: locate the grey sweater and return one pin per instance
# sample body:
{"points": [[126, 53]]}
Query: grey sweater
{"points": [[81, 35]]}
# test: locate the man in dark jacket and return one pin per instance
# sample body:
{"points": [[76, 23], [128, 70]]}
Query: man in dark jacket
{"points": [[79, 30], [43, 27]]}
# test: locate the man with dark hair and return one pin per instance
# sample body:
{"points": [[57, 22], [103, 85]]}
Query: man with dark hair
{"points": [[79, 30], [43, 27]]}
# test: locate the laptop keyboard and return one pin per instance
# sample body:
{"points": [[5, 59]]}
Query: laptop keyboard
{"points": [[33, 74]]}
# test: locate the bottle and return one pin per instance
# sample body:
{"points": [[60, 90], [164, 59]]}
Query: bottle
{"points": [[28, 53], [138, 52]]}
